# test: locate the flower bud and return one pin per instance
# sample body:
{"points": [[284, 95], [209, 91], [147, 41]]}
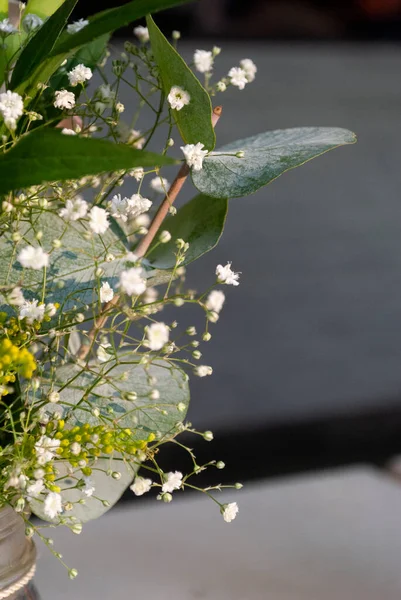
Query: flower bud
{"points": [[208, 436], [220, 464], [164, 237]]}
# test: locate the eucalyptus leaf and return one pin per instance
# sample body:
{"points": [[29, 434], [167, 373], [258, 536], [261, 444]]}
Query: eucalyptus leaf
{"points": [[71, 275], [48, 155], [194, 120], [110, 20], [41, 43], [266, 157], [42, 8], [200, 222]]}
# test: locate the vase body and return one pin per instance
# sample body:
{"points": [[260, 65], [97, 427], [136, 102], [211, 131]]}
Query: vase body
{"points": [[17, 558]]}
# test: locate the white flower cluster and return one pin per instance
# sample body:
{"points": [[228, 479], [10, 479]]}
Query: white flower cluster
{"points": [[129, 208], [194, 155], [64, 99], [178, 98], [11, 108], [79, 74], [142, 34]]}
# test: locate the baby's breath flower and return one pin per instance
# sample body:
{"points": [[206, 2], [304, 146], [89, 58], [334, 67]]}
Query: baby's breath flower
{"points": [[11, 108], [157, 336], [98, 220], [74, 209], [215, 301], [164, 237], [203, 371], [137, 173], [64, 99], [31, 22], [52, 506], [238, 77], [176, 35], [7, 27], [249, 67], [89, 488], [106, 292], [77, 26], [66, 131], [229, 511], [33, 258], [120, 108], [221, 86], [178, 98], [34, 490], [226, 275], [15, 297], [208, 436], [141, 33], [141, 486], [203, 60], [132, 281], [45, 449], [50, 309], [79, 74], [159, 185], [194, 155], [173, 481]]}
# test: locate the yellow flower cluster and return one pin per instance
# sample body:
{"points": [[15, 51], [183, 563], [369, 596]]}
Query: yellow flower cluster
{"points": [[14, 361]]}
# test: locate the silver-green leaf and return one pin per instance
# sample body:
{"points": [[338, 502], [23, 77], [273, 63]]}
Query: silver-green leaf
{"points": [[266, 157]]}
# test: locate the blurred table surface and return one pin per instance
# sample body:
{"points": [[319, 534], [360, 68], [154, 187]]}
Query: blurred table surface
{"points": [[334, 536], [314, 327]]}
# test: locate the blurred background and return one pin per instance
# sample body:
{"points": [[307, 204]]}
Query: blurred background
{"points": [[307, 352]]}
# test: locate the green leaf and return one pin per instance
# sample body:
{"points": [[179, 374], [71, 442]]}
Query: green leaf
{"points": [[194, 120], [48, 155], [110, 20], [200, 222], [141, 415], [3, 9], [267, 156], [71, 276], [41, 43], [43, 8]]}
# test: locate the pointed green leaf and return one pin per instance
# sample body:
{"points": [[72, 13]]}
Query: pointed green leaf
{"points": [[48, 155], [194, 120], [42, 8], [110, 20], [3, 9], [200, 222], [41, 43], [266, 157]]}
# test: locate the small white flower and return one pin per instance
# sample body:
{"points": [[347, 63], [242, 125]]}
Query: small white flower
{"points": [[194, 155], [203, 60], [138, 205], [77, 26], [35, 489], [15, 297], [74, 209], [238, 77], [102, 354], [154, 395], [11, 107], [98, 220], [7, 27], [75, 448], [164, 237], [141, 486], [142, 33], [142, 221], [79, 74], [221, 86], [31, 22], [249, 67], [105, 93], [157, 335], [160, 185], [178, 98], [120, 108], [132, 281], [137, 173], [54, 397], [33, 258], [203, 371], [64, 99], [226, 275], [119, 208], [50, 309], [215, 300], [106, 292], [45, 449], [173, 482], [52, 505], [66, 131], [229, 511], [135, 139], [89, 488]]}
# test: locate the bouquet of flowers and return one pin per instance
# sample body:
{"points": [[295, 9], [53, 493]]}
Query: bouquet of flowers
{"points": [[94, 376]]}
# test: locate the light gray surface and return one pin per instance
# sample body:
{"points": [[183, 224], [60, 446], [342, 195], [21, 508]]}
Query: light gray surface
{"points": [[314, 327], [331, 537]]}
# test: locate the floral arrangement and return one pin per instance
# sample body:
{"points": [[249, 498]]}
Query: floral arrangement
{"points": [[94, 373]]}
